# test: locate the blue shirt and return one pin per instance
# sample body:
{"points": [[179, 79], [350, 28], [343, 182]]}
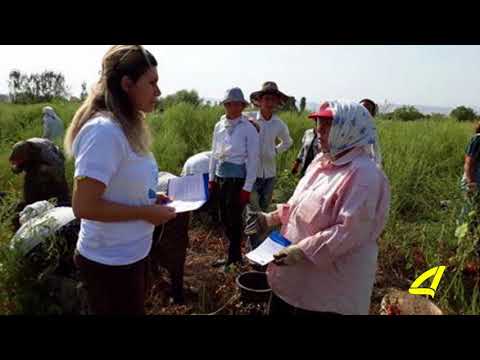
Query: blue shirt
{"points": [[473, 150]]}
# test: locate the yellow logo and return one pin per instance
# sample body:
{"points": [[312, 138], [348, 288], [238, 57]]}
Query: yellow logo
{"points": [[436, 273]]}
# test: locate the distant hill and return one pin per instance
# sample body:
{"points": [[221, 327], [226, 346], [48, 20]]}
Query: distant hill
{"points": [[424, 109], [4, 98]]}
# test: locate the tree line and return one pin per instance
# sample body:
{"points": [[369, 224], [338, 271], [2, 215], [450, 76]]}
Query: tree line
{"points": [[411, 113], [36, 87], [50, 85]]}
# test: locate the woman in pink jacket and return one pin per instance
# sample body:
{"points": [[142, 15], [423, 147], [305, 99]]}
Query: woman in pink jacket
{"points": [[333, 219]]}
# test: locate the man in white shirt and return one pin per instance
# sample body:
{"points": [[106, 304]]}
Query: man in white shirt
{"points": [[272, 128], [233, 169]]}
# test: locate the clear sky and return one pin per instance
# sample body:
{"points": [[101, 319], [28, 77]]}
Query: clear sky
{"points": [[425, 75]]}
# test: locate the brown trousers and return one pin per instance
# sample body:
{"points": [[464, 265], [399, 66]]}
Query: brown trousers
{"points": [[114, 290]]}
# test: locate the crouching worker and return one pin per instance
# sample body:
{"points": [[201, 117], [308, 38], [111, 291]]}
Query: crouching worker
{"points": [[233, 169], [170, 243], [333, 219], [115, 182], [45, 227], [44, 166]]}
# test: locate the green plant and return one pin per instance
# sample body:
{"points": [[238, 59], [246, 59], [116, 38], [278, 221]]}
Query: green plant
{"points": [[423, 161], [463, 113], [407, 113]]}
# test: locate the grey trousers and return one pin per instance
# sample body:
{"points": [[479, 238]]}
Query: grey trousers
{"points": [[260, 201]]}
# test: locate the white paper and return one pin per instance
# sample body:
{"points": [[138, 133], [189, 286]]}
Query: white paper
{"points": [[187, 193], [263, 254], [181, 206]]}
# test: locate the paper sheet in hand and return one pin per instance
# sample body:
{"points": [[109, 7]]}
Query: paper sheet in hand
{"points": [[264, 253], [188, 193]]}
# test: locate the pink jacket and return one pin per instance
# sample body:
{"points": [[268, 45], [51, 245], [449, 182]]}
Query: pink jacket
{"points": [[336, 216]]}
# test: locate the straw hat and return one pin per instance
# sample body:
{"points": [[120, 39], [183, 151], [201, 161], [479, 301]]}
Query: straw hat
{"points": [[268, 88]]}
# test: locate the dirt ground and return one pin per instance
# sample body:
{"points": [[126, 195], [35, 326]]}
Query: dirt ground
{"points": [[210, 290]]}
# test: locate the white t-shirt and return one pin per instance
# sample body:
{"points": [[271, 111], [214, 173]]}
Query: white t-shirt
{"points": [[197, 164], [103, 153]]}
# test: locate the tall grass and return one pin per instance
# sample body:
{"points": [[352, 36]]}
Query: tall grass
{"points": [[422, 159]]}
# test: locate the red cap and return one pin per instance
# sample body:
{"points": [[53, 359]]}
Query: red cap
{"points": [[323, 112]]}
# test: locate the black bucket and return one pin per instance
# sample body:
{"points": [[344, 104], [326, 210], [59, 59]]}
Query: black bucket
{"points": [[254, 287]]}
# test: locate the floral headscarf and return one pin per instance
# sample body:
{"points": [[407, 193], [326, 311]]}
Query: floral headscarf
{"points": [[352, 126]]}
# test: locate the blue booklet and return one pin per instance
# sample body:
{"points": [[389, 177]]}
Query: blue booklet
{"points": [[273, 244]]}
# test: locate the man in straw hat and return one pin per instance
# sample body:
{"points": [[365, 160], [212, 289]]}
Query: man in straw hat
{"points": [[272, 128], [233, 169]]}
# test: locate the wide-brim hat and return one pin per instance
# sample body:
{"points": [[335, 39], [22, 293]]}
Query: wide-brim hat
{"points": [[268, 88], [234, 95]]}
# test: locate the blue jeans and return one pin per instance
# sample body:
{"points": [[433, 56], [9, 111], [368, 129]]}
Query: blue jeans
{"points": [[260, 201]]}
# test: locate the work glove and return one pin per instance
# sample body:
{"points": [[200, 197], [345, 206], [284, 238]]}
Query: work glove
{"points": [[212, 187], [244, 198], [291, 255]]}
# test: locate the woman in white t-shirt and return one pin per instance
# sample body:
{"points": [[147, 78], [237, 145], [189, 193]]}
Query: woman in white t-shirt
{"points": [[115, 181]]}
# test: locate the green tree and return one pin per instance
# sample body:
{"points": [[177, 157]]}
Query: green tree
{"points": [[182, 96], [290, 105], [462, 113], [303, 104], [35, 88], [407, 113], [14, 84]]}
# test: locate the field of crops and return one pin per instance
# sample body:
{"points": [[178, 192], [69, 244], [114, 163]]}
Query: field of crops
{"points": [[422, 159]]}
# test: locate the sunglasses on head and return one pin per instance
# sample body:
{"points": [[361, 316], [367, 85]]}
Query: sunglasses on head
{"points": [[136, 48]]}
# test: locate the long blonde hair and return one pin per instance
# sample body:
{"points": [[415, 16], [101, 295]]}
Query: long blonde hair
{"points": [[107, 96]]}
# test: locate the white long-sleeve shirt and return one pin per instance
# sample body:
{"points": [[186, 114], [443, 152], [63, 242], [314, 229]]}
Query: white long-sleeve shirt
{"points": [[52, 127], [270, 131], [235, 141]]}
